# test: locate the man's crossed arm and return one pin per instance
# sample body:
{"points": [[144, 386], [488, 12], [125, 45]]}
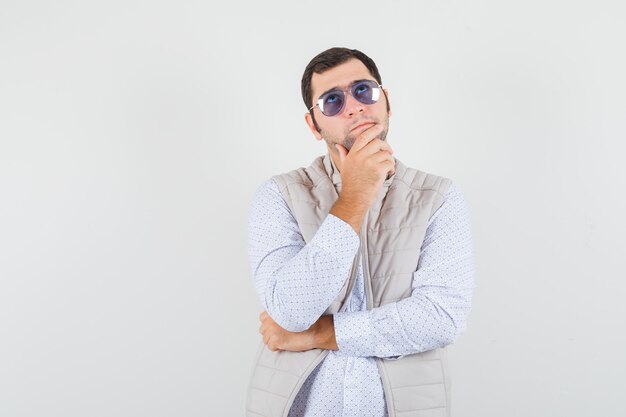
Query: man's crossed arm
{"points": [[297, 281]]}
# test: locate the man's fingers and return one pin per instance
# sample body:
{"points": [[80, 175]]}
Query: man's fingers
{"points": [[383, 156], [366, 136], [376, 145]]}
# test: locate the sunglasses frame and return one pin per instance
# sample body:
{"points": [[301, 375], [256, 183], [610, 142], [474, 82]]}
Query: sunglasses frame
{"points": [[345, 91]]}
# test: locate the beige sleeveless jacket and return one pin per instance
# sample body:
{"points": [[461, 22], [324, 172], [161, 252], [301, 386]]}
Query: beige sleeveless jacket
{"points": [[392, 234]]}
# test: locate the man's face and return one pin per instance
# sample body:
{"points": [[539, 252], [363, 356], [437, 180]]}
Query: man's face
{"points": [[343, 128]]}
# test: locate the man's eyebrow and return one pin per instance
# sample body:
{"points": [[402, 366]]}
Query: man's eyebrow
{"points": [[338, 87]]}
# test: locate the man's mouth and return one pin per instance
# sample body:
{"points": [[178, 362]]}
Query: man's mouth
{"points": [[365, 124]]}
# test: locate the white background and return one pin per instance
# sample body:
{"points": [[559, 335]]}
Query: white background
{"points": [[133, 134]]}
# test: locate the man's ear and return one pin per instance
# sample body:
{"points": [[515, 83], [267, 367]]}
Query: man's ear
{"points": [[387, 96], [309, 121]]}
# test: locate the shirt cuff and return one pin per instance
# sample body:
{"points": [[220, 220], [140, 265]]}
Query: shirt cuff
{"points": [[337, 237], [354, 333], [368, 333]]}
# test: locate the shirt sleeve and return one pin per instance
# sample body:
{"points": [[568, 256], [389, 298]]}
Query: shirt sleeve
{"points": [[296, 281], [436, 312]]}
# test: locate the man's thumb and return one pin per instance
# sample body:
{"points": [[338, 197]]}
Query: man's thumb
{"points": [[343, 152]]}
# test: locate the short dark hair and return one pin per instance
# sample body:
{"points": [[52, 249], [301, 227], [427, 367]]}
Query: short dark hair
{"points": [[328, 59]]}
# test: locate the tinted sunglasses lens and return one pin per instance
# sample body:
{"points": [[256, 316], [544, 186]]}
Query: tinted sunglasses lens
{"points": [[331, 103], [367, 92]]}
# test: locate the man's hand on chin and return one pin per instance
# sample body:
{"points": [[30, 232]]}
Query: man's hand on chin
{"points": [[320, 335]]}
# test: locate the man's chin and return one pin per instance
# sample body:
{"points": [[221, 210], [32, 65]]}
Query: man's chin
{"points": [[349, 142]]}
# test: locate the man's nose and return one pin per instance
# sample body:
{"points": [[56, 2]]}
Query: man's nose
{"points": [[353, 106]]}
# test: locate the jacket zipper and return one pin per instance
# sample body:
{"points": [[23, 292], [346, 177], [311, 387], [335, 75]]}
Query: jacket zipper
{"points": [[367, 279]]}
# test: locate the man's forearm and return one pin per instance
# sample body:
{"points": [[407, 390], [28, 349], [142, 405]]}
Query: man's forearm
{"points": [[296, 280]]}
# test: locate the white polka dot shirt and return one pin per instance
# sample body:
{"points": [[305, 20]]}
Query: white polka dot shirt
{"points": [[296, 282]]}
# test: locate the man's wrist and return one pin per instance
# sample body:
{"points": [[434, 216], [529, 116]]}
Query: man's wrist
{"points": [[323, 332], [350, 213]]}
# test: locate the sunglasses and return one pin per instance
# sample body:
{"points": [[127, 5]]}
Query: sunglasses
{"points": [[332, 102]]}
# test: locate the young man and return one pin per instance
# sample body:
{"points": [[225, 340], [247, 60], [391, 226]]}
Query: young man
{"points": [[364, 266]]}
